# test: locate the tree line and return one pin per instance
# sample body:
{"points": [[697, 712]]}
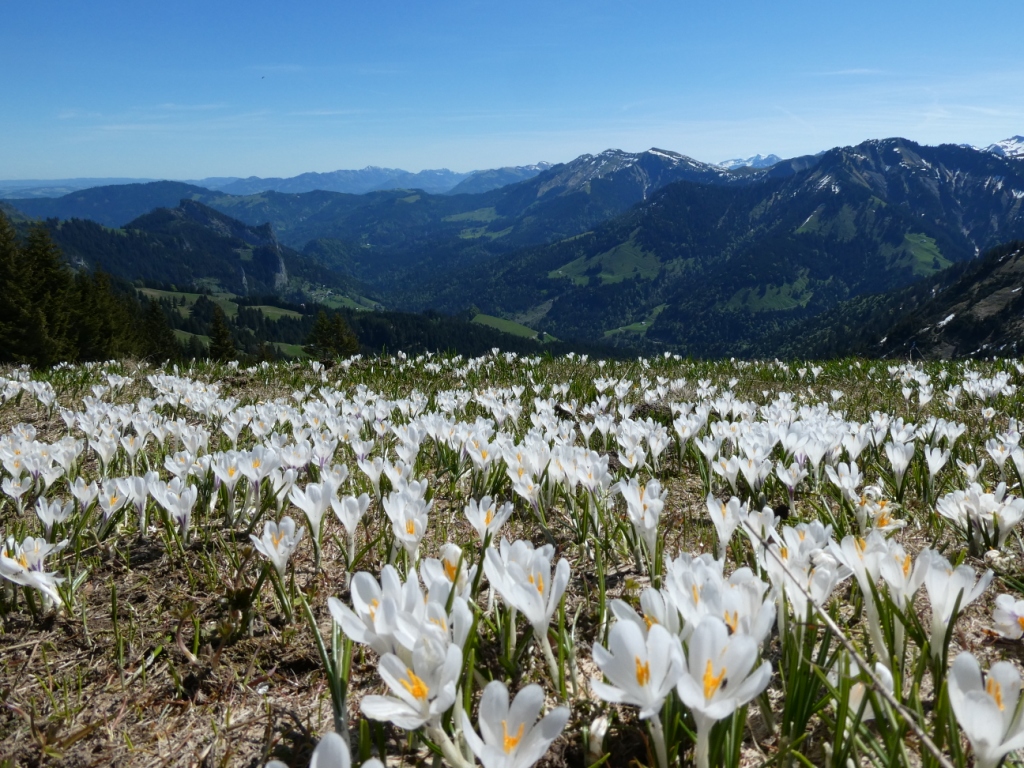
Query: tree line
{"points": [[50, 313]]}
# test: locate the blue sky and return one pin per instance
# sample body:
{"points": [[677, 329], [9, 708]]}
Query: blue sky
{"points": [[193, 89]]}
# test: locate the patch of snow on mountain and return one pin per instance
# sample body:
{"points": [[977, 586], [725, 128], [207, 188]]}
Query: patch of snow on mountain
{"points": [[943, 323], [1012, 148], [757, 161]]}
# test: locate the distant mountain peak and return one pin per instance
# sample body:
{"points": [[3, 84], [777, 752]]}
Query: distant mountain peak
{"points": [[1012, 147], [755, 161]]}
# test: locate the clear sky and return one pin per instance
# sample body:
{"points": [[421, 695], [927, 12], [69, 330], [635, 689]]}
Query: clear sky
{"points": [[223, 88]]}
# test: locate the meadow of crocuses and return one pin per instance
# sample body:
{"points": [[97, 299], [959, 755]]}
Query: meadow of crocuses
{"points": [[512, 561]]}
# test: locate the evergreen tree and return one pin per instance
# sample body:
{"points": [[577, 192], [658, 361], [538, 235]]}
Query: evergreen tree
{"points": [[15, 309], [50, 288], [222, 346], [331, 338], [158, 340]]}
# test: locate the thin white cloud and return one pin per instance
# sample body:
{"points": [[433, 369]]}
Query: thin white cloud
{"points": [[172, 107], [328, 112], [850, 72]]}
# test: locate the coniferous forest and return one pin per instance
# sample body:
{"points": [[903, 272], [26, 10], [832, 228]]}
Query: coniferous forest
{"points": [[52, 312]]}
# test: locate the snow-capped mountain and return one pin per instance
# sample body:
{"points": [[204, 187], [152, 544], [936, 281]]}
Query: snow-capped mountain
{"points": [[1012, 147], [757, 161]]}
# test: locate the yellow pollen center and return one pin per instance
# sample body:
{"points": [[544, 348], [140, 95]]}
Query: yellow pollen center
{"points": [[23, 560], [995, 690], [711, 681], [784, 552], [374, 604], [650, 622], [276, 538], [232, 471], [415, 686], [510, 742], [539, 583], [410, 528], [450, 569], [643, 671], [732, 620], [906, 567], [696, 594]]}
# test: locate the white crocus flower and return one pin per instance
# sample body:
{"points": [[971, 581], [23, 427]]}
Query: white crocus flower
{"points": [[350, 510], [899, 455], [314, 501], [449, 571], [23, 564], [729, 468], [423, 691], [50, 513], [178, 499], [641, 670], [1008, 616], [726, 517], [523, 577], [945, 586], [486, 516], [720, 677], [373, 618], [644, 504], [278, 542], [331, 752], [372, 468], [510, 736], [987, 709], [936, 459], [408, 515], [863, 556], [859, 689]]}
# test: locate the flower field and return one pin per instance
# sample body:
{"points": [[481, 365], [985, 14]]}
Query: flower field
{"points": [[512, 561]]}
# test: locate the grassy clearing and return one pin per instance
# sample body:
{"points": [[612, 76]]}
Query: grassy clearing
{"points": [[638, 328], [506, 326], [484, 215], [223, 300], [625, 261], [770, 298], [276, 313]]}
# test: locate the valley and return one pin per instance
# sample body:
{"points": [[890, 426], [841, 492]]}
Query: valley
{"points": [[649, 251]]}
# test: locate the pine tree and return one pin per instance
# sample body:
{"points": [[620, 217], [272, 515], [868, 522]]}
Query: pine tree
{"points": [[49, 288], [222, 346], [14, 304], [158, 342], [330, 338]]}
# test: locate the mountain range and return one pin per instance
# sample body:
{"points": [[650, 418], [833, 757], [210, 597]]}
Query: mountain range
{"points": [[368, 179], [652, 249]]}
